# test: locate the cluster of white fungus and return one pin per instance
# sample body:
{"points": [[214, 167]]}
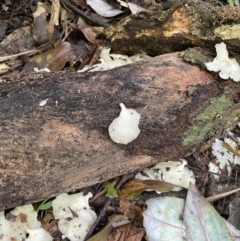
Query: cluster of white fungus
{"points": [[227, 67], [73, 211], [74, 214], [224, 157], [124, 129], [110, 61], [24, 224], [175, 173]]}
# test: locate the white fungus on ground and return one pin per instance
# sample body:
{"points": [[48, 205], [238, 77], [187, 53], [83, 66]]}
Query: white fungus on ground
{"points": [[227, 67], [175, 173], [124, 129], [225, 158], [74, 214], [23, 224]]}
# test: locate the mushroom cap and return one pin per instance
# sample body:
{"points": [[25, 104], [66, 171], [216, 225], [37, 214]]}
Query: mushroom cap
{"points": [[124, 129]]}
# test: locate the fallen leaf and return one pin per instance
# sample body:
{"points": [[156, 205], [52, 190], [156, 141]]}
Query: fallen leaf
{"points": [[91, 33], [134, 8], [170, 218], [111, 190], [132, 211], [40, 24], [203, 222], [126, 233], [235, 233], [163, 220], [103, 8], [56, 58], [54, 18], [103, 234], [136, 186]]}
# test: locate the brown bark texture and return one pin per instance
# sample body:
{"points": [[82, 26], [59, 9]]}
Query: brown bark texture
{"points": [[185, 24], [64, 145]]}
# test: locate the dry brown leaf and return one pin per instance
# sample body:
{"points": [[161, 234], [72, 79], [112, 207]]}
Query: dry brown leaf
{"points": [[54, 18], [55, 59], [136, 186], [81, 24], [91, 32], [40, 24], [132, 211], [103, 234], [126, 233]]}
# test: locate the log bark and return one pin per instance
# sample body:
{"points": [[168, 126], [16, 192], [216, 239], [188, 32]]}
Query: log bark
{"points": [[185, 24], [64, 145]]}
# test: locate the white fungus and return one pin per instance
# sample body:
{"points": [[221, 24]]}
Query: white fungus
{"points": [[110, 61], [74, 214], [124, 129], [38, 234], [25, 222], [228, 68], [172, 172], [224, 157]]}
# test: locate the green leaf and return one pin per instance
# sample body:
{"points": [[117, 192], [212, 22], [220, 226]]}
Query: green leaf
{"points": [[163, 219], [111, 190], [203, 222], [231, 3], [44, 205]]}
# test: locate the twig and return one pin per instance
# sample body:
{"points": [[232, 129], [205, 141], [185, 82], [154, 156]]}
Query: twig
{"points": [[208, 172], [219, 196], [13, 56]]}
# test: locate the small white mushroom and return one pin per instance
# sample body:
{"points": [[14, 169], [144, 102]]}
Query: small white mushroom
{"points": [[124, 129], [43, 102]]}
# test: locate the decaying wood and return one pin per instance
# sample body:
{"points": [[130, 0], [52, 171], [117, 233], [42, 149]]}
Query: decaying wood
{"points": [[64, 145], [185, 24]]}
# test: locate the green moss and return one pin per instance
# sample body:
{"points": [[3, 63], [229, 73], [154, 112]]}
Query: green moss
{"points": [[163, 15], [219, 113], [196, 56]]}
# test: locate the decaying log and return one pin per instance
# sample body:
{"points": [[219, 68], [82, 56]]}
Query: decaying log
{"points": [[64, 145], [185, 24]]}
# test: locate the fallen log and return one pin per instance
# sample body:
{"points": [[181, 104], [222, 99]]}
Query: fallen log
{"points": [[64, 144], [184, 24]]}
